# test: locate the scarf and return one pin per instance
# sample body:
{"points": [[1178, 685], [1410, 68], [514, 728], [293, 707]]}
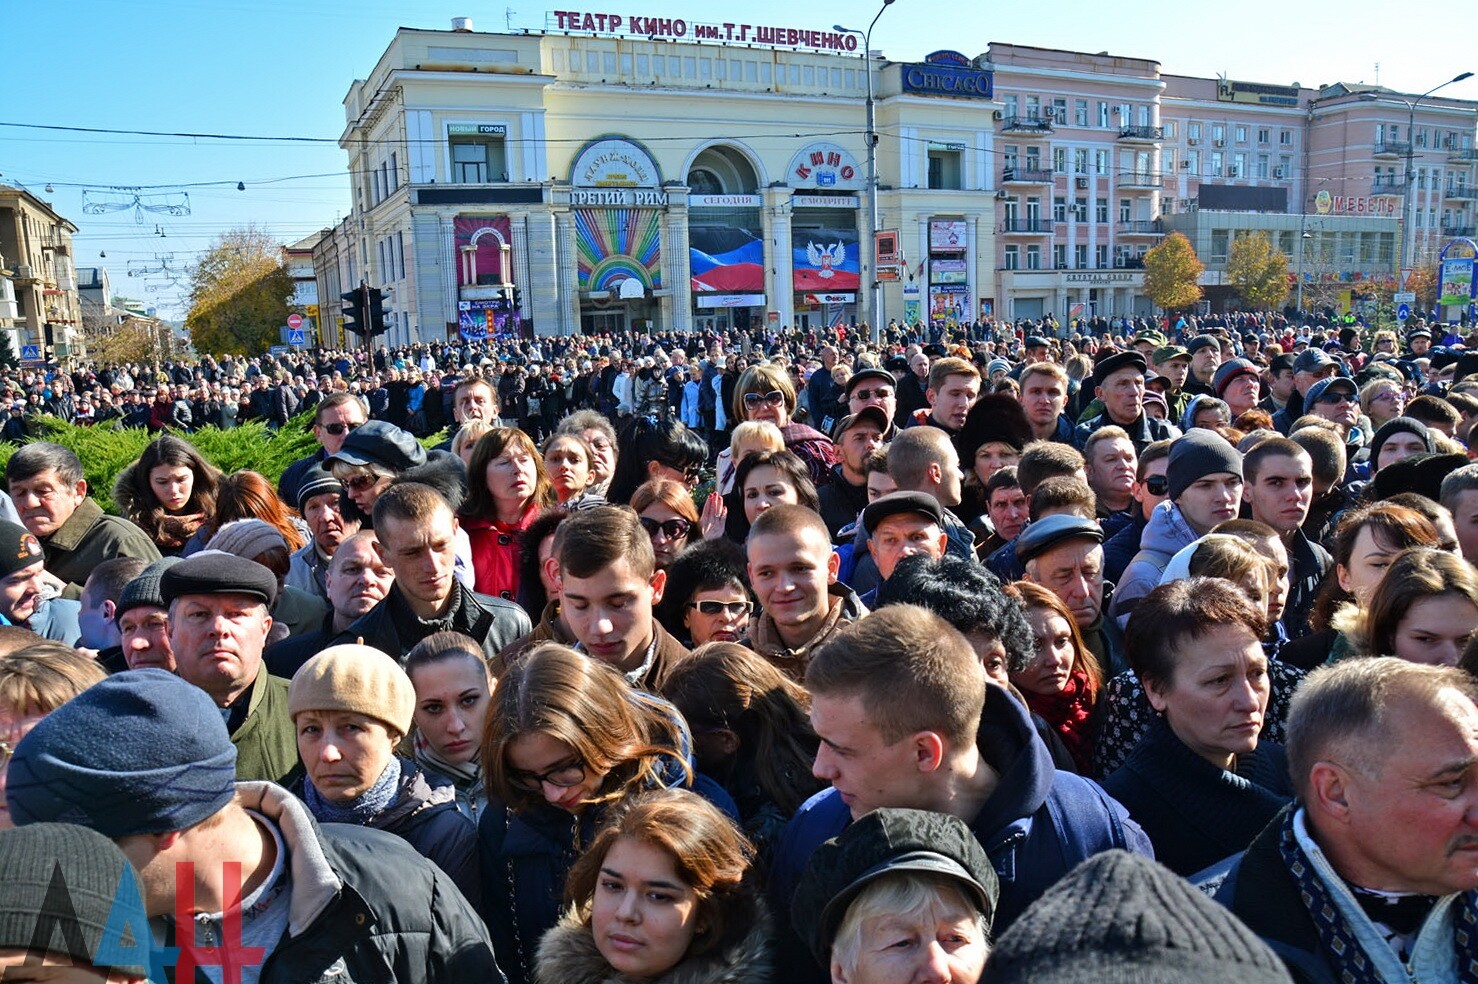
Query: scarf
{"points": [[362, 808], [461, 773], [1352, 964], [1068, 712]]}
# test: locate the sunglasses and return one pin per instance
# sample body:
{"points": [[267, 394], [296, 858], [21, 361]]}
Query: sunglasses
{"points": [[771, 399], [881, 393], [360, 483], [339, 429], [1336, 398], [731, 608], [1157, 485], [672, 529]]}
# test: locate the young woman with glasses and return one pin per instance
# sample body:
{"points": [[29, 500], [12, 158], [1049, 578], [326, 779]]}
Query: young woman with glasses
{"points": [[669, 517], [653, 447], [567, 742]]}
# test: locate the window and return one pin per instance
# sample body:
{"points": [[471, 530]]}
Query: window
{"points": [[1080, 161], [625, 63], [1010, 210], [1103, 115], [1012, 258], [643, 64], [1170, 130], [1080, 112], [1241, 134], [1100, 256], [765, 73], [1239, 165], [1100, 162], [1124, 207], [1034, 158], [1059, 111], [752, 71], [1080, 255], [1285, 137], [1100, 210], [1010, 156], [675, 66], [1059, 256], [1143, 116], [795, 74], [1034, 209], [1059, 159], [1168, 156], [1034, 257], [1264, 136], [720, 69], [705, 68], [944, 169], [1125, 111], [808, 75], [394, 172], [836, 80], [608, 62], [400, 253], [1216, 164], [1059, 209], [1419, 137], [1193, 131], [1262, 166], [1218, 132], [690, 67], [1285, 164], [1218, 245], [1080, 209], [1011, 106], [478, 158], [592, 62], [1033, 107]]}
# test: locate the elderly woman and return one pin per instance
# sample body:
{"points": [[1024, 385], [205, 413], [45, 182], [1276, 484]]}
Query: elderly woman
{"points": [[351, 705], [765, 392], [900, 895], [1202, 784]]}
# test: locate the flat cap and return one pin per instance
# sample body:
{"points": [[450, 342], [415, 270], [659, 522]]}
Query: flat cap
{"points": [[885, 842], [1049, 531], [894, 503], [1036, 341], [379, 443], [1119, 360], [212, 572]]}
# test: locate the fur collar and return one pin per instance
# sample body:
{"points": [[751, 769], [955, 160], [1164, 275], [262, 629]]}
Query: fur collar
{"points": [[567, 955]]}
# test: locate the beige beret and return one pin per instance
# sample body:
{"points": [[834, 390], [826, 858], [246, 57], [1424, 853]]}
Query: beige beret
{"points": [[358, 679]]}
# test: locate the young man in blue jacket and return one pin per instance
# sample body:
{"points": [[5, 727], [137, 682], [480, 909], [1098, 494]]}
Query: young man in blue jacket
{"points": [[906, 719]]}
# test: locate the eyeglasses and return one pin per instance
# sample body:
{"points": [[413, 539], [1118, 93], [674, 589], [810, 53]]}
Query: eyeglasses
{"points": [[1336, 398], [771, 399], [672, 529], [1157, 485], [360, 483], [339, 429], [881, 393], [731, 608], [561, 776]]}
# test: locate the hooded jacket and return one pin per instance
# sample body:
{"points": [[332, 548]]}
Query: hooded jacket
{"points": [[568, 955], [1037, 824], [366, 908], [1164, 536], [527, 856]]}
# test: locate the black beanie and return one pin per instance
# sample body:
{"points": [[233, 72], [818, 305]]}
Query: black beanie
{"points": [[1119, 918], [1398, 425], [1199, 453], [93, 870]]}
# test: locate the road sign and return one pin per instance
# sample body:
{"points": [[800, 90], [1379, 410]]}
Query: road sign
{"points": [[295, 321], [296, 336], [1404, 297], [1403, 312], [279, 350], [30, 353]]}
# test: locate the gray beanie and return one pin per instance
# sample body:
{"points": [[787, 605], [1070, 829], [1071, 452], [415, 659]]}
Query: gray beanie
{"points": [[1199, 453], [93, 871], [144, 591], [1119, 918], [142, 752], [247, 538]]}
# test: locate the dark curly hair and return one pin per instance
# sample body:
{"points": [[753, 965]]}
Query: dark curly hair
{"points": [[965, 595], [705, 566]]}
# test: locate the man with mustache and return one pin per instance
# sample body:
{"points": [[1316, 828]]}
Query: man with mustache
{"points": [[1369, 875]]}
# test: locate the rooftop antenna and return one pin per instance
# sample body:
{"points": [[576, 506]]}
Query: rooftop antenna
{"points": [[508, 13], [1377, 73]]}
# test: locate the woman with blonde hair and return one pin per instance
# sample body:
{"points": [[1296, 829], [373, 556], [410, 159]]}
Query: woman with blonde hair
{"points": [[767, 392], [566, 740], [34, 681], [704, 923]]}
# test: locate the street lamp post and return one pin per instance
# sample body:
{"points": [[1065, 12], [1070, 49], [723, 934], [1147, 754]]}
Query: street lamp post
{"points": [[1408, 251], [878, 313]]}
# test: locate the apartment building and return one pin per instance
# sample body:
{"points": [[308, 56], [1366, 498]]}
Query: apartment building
{"points": [[36, 247]]}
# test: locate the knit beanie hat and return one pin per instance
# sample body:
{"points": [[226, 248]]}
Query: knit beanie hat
{"points": [[142, 752], [1199, 453], [1399, 425], [19, 548], [1119, 918], [358, 679], [318, 481], [94, 871], [145, 591], [247, 538]]}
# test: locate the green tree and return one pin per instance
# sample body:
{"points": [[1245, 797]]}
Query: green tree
{"points": [[1258, 271], [239, 294], [1171, 273]]}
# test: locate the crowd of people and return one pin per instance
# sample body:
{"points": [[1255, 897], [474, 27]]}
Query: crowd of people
{"points": [[1126, 650]]}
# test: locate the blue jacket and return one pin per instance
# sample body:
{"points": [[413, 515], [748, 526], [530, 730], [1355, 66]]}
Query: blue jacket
{"points": [[1036, 826]]}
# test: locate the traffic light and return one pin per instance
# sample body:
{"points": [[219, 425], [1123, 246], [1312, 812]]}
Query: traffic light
{"points": [[355, 317], [517, 299], [376, 318]]}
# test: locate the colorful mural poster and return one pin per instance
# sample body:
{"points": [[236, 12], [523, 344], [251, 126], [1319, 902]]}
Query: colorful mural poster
{"points": [[826, 260], [726, 260], [616, 244], [949, 305], [487, 233], [1457, 281]]}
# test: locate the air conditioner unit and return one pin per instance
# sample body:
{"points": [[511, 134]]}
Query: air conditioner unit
{"points": [[1219, 143], [1278, 172], [1185, 165], [997, 115], [1194, 142], [1082, 182]]}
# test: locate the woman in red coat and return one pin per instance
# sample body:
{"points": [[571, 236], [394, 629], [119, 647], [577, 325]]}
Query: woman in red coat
{"points": [[506, 488]]}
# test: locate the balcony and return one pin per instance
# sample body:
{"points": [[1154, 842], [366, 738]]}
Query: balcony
{"points": [[1027, 124], [1140, 227], [1462, 155], [1140, 179], [1388, 186], [1392, 148], [1026, 175], [1459, 231], [1142, 134], [1460, 193], [1026, 227]]}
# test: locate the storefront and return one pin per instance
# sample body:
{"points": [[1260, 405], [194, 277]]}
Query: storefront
{"points": [[826, 248], [617, 212]]}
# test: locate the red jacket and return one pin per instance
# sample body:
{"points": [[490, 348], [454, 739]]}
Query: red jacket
{"points": [[496, 552]]}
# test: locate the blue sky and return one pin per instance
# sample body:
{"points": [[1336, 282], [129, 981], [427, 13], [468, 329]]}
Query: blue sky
{"points": [[281, 68]]}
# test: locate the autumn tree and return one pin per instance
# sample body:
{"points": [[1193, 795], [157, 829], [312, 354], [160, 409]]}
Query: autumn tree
{"points": [[1258, 271], [1171, 273], [239, 294]]}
